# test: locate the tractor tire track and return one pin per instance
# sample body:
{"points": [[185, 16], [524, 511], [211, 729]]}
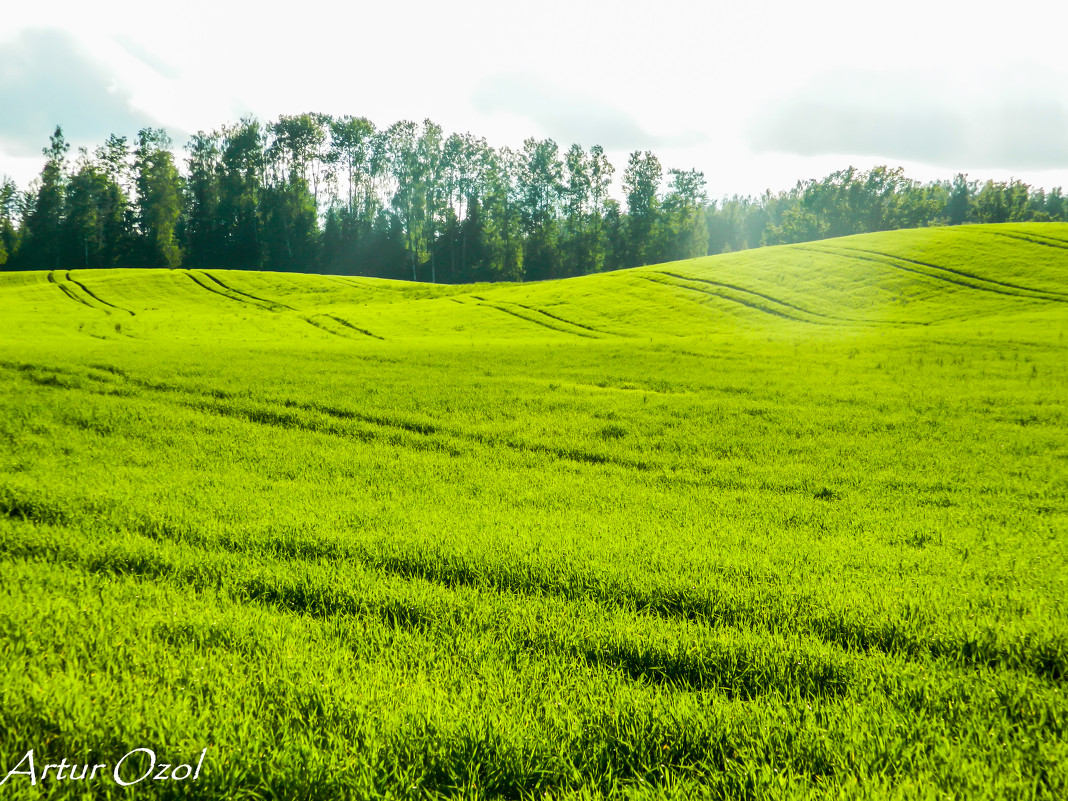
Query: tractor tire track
{"points": [[96, 297], [66, 291], [562, 320], [339, 321], [1033, 239], [293, 416], [976, 282], [74, 296], [214, 291], [741, 302], [349, 282], [321, 327], [538, 322], [780, 302], [272, 304], [347, 324], [961, 273]]}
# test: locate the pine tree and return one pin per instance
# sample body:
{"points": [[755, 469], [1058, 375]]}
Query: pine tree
{"points": [[43, 246]]}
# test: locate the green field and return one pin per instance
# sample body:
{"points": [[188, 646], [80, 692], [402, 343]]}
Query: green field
{"points": [[787, 523]]}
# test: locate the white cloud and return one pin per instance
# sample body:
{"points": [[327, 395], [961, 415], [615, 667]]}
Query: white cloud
{"points": [[570, 115], [47, 79], [662, 77], [1017, 120]]}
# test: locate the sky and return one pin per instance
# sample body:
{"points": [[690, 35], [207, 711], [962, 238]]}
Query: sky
{"points": [[757, 95]]}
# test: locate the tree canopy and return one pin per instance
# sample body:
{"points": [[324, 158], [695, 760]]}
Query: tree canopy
{"points": [[314, 193]]}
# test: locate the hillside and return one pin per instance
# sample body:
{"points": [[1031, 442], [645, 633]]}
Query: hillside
{"points": [[903, 278], [782, 523]]}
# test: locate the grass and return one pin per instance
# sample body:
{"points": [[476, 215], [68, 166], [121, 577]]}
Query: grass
{"points": [[787, 523]]}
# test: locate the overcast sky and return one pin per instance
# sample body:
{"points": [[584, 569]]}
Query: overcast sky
{"points": [[756, 94]]}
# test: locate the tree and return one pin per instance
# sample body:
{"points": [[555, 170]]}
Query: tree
{"points": [[289, 207], [429, 181], [465, 162], [641, 181], [46, 209], [540, 187], [351, 150], [577, 243], [601, 172], [297, 149], [960, 205], [204, 239], [159, 199], [501, 216], [683, 230], [84, 230], [884, 189], [10, 212], [992, 203], [1056, 207], [404, 168], [241, 183], [290, 226], [918, 205], [116, 212]]}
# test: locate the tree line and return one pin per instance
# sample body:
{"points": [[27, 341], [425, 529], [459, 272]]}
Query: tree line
{"points": [[882, 199], [315, 193]]}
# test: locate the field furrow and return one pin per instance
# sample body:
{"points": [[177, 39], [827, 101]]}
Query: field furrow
{"points": [[681, 283], [271, 304], [96, 297], [543, 323], [1045, 294]]}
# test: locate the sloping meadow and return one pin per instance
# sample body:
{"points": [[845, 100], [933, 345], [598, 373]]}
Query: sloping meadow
{"points": [[787, 523]]}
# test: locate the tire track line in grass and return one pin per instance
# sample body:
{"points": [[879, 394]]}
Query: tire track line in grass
{"points": [[272, 304], [294, 422], [562, 320], [783, 302], [322, 327], [96, 297], [302, 596], [214, 291], [347, 281], [426, 429], [451, 444], [887, 262], [339, 321], [450, 441], [275, 413], [347, 324], [978, 281], [70, 294], [971, 276], [1034, 239], [780, 614], [537, 322], [740, 301]]}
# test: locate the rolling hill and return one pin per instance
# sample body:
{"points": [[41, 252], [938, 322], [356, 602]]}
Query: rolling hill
{"points": [[785, 523], [896, 279]]}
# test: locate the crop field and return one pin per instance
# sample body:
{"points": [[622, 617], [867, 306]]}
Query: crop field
{"points": [[786, 523]]}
